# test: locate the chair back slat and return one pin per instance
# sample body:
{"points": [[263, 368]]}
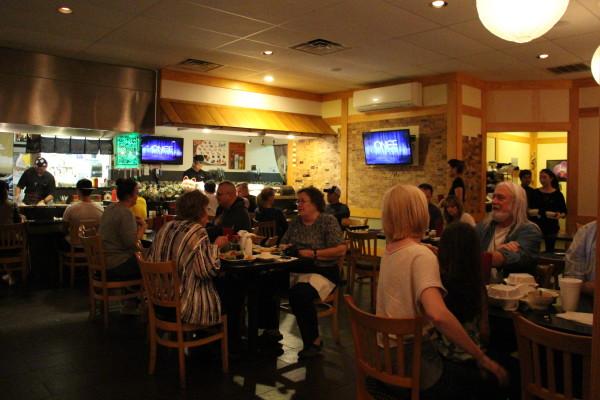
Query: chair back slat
{"points": [[86, 227], [376, 343], [560, 351], [13, 237], [94, 253], [363, 243], [161, 282]]}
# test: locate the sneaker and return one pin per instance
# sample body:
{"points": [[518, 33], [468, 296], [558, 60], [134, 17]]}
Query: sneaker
{"points": [[311, 351]]}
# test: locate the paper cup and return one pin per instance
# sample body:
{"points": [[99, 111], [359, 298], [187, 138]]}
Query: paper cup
{"points": [[569, 293]]}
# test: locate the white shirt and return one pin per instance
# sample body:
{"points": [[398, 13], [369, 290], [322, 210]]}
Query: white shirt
{"points": [[212, 204], [499, 238]]}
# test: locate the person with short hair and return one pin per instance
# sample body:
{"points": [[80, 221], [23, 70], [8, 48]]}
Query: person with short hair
{"points": [[551, 206], [140, 208], [580, 262], [525, 177], [195, 171], [38, 183], [185, 241], [456, 169], [243, 193], [231, 212], [436, 221], [267, 212], [334, 207], [507, 234], [454, 212], [317, 238], [120, 231], [409, 285], [85, 209], [210, 188]]}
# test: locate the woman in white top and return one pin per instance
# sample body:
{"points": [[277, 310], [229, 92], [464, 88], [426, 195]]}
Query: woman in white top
{"points": [[410, 285], [454, 211]]}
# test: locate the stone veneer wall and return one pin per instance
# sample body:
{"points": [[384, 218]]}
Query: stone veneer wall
{"points": [[368, 183], [317, 163], [472, 154]]}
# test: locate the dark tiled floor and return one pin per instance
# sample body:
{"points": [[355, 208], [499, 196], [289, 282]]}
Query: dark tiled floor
{"points": [[49, 350]]}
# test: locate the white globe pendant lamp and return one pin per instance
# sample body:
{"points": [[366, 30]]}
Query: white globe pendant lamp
{"points": [[596, 65], [520, 21]]}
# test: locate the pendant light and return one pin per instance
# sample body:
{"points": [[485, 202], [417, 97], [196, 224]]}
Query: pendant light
{"points": [[596, 65], [520, 21]]}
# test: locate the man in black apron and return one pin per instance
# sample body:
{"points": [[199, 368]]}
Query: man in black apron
{"points": [[38, 184]]}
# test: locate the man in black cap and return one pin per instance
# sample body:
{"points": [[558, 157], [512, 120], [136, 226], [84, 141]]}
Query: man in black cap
{"points": [[38, 184], [334, 207], [196, 171]]}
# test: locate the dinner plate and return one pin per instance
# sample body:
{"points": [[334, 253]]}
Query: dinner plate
{"points": [[267, 257], [238, 261]]}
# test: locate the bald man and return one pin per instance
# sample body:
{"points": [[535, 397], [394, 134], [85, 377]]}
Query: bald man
{"points": [[231, 212]]}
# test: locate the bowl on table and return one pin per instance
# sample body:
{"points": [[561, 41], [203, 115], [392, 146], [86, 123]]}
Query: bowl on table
{"points": [[541, 299]]}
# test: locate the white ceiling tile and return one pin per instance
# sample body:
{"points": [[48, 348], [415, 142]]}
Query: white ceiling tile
{"points": [[475, 30], [456, 11], [41, 42], [495, 60], [184, 12], [592, 6], [275, 12], [577, 20], [283, 37], [580, 45], [527, 52], [447, 42]]}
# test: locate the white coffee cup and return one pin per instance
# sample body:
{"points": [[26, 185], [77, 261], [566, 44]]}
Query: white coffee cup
{"points": [[570, 289]]}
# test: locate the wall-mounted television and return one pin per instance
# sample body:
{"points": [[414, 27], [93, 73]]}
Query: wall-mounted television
{"points": [[390, 147], [162, 150], [559, 167]]}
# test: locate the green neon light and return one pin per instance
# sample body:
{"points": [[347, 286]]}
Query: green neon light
{"points": [[127, 150]]}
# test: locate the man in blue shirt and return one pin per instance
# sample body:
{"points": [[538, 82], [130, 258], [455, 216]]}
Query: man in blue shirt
{"points": [[334, 207], [580, 262]]}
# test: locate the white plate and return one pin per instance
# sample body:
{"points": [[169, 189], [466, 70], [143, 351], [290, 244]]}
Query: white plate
{"points": [[267, 257]]}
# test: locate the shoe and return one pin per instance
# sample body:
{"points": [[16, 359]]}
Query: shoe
{"points": [[311, 351], [271, 336]]}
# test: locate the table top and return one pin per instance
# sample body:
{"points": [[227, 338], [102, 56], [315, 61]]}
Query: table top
{"points": [[257, 265]]}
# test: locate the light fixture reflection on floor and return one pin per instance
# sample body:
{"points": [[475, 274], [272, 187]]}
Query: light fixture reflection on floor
{"points": [[520, 21], [596, 65]]}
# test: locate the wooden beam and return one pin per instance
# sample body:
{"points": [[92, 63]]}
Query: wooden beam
{"points": [[451, 122], [595, 390], [530, 85], [381, 116], [334, 121], [528, 126], [552, 140], [343, 146], [584, 82], [511, 138], [198, 79], [471, 111], [573, 160]]}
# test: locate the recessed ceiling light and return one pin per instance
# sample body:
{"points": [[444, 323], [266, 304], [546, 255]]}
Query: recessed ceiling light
{"points": [[439, 3], [290, 136], [268, 78], [268, 52], [542, 56], [65, 10], [375, 99], [206, 130]]}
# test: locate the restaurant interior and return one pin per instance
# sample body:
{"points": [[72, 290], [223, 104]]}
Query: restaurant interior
{"points": [[350, 101]]}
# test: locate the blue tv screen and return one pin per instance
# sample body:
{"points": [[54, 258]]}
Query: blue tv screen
{"points": [[162, 150], [387, 147]]}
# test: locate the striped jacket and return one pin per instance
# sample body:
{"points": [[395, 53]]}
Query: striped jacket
{"points": [[197, 262]]}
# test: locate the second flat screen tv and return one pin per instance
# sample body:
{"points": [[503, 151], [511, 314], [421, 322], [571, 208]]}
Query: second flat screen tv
{"points": [[162, 150], [387, 147]]}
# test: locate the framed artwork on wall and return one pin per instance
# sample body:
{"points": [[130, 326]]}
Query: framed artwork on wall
{"points": [[237, 155], [213, 151]]}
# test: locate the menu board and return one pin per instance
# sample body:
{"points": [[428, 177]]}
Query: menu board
{"points": [[213, 151], [237, 155], [127, 151]]}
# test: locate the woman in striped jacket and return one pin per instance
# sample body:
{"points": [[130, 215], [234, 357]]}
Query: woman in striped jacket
{"points": [[185, 241]]}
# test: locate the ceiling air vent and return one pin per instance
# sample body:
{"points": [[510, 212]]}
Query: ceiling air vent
{"points": [[198, 65], [319, 47], [568, 69]]}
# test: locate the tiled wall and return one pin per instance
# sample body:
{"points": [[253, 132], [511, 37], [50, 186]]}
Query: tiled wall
{"points": [[317, 163], [472, 153], [368, 183]]}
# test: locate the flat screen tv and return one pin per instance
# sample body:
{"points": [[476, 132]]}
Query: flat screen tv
{"points": [[387, 147], [162, 150], [559, 167]]}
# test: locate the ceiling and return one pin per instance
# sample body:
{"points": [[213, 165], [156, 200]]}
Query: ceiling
{"points": [[386, 39]]}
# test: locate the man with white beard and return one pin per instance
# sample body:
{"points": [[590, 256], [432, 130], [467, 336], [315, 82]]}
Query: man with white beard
{"points": [[507, 234]]}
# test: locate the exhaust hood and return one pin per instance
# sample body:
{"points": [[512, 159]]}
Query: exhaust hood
{"points": [[88, 98]]}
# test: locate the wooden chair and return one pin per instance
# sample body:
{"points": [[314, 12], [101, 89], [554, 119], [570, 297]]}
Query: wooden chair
{"points": [[364, 262], [13, 249], [541, 351], [266, 229], [161, 286], [74, 257], [486, 273], [384, 362], [100, 288]]}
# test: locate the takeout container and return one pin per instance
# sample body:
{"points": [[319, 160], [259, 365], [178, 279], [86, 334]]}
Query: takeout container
{"points": [[507, 296], [521, 279], [541, 299]]}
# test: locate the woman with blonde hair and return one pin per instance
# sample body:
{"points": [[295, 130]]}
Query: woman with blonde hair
{"points": [[410, 286]]}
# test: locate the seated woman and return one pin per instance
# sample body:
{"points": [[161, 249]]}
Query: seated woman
{"points": [[120, 231], [319, 241], [454, 211], [410, 285], [266, 212], [8, 211], [185, 241]]}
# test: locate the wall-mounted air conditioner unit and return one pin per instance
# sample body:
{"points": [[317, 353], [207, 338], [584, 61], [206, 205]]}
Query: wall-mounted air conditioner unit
{"points": [[403, 95]]}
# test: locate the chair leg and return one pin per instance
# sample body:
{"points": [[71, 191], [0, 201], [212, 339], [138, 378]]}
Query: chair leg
{"points": [[373, 293], [335, 327], [105, 306], [351, 279], [61, 266], [24, 273], [152, 338], [180, 350], [92, 302], [72, 278], [224, 347]]}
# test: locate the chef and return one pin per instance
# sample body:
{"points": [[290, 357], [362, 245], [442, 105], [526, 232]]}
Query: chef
{"points": [[196, 171], [38, 184]]}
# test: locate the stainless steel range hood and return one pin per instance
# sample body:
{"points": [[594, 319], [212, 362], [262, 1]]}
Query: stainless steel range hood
{"points": [[44, 90]]}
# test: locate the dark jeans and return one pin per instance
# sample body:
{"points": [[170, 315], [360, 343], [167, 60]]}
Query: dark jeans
{"points": [[302, 297], [550, 241], [271, 284], [129, 270]]}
